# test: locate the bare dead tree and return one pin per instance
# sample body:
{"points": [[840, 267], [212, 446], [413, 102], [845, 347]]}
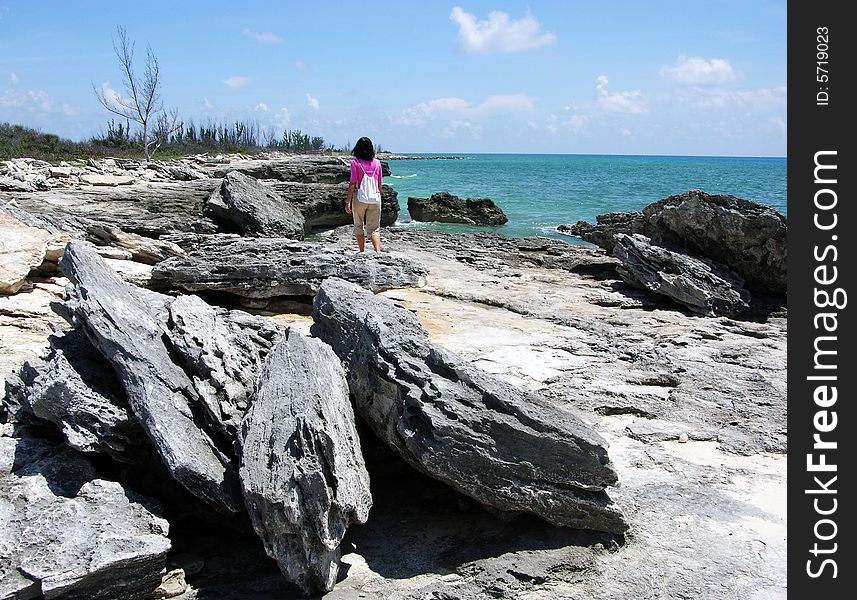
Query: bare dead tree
{"points": [[142, 100]]}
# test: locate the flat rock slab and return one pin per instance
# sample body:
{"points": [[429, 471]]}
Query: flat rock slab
{"points": [[510, 450], [65, 533], [302, 470], [272, 267], [106, 180]]}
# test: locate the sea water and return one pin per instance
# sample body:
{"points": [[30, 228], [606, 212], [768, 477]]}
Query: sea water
{"points": [[540, 191]]}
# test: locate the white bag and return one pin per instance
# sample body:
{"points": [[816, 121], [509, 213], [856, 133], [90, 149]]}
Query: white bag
{"points": [[368, 192]]}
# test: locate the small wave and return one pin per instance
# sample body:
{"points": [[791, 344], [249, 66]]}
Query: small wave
{"points": [[403, 176]]}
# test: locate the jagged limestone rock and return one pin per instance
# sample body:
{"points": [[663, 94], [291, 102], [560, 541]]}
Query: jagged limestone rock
{"points": [[509, 449], [302, 471]]}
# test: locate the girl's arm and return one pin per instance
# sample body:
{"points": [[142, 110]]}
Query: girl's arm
{"points": [[350, 196]]}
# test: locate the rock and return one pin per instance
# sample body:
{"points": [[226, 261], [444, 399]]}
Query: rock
{"points": [[60, 172], [67, 534], [268, 268], [300, 169], [124, 324], [510, 450], [75, 388], [10, 184], [107, 180], [443, 207], [302, 470], [607, 226], [143, 249], [745, 236], [222, 359], [323, 205], [173, 584], [22, 249], [245, 204], [151, 210], [702, 286]]}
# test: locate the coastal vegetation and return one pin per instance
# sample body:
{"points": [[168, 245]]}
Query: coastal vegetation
{"points": [[122, 140]]}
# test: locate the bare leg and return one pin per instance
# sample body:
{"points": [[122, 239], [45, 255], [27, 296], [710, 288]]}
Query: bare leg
{"points": [[361, 242], [376, 241]]}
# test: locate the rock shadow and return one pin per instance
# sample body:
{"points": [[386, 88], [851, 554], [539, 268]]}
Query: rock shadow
{"points": [[419, 525]]}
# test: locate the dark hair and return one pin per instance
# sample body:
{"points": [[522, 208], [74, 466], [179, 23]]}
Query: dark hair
{"points": [[364, 149]]}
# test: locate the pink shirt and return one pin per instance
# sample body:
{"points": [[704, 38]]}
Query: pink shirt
{"points": [[358, 167]]}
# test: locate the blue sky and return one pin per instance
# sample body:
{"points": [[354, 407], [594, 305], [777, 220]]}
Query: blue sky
{"points": [[614, 77]]}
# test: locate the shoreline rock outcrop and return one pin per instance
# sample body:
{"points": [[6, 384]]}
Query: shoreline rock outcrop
{"points": [[244, 203], [747, 237], [444, 207]]}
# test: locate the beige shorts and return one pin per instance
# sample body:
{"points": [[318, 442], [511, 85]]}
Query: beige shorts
{"points": [[367, 218]]}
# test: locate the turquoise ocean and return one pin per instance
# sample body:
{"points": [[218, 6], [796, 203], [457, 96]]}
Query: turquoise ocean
{"points": [[539, 192]]}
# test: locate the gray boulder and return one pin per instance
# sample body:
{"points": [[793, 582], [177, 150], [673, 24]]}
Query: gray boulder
{"points": [[65, 533], [700, 285], [323, 205], [511, 450], [74, 388], [443, 207], [302, 471], [268, 268], [126, 325], [248, 205], [745, 236], [607, 226]]}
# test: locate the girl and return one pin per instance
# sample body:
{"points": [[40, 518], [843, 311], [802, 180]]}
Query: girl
{"points": [[366, 207]]}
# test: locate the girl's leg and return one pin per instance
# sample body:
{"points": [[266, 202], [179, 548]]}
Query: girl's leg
{"points": [[376, 241], [361, 241]]}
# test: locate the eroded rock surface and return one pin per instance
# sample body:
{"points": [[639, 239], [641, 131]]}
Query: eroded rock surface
{"points": [[266, 268], [302, 470], [700, 285], [66, 533], [509, 450], [126, 328]]}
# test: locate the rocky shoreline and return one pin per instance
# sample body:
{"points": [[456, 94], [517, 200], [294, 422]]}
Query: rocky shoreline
{"points": [[500, 389]]}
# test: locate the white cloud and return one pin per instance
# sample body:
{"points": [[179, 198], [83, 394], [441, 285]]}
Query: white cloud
{"points": [[282, 118], [498, 33], [237, 81], [70, 110], [459, 107], [713, 98], [111, 96], [577, 123], [312, 102], [265, 37], [261, 107], [621, 102], [13, 79], [30, 101], [209, 109], [698, 71]]}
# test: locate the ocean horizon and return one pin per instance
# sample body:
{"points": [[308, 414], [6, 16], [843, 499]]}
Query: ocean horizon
{"points": [[538, 192]]}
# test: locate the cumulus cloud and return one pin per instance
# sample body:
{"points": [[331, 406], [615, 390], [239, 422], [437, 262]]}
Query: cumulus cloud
{"points": [[498, 33], [282, 118], [112, 97], [459, 107], [70, 110], [758, 98], [621, 102], [30, 101], [312, 102], [265, 37], [261, 107], [698, 71], [13, 79], [237, 81], [576, 123]]}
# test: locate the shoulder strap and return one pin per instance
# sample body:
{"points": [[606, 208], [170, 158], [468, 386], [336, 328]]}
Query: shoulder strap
{"points": [[364, 170]]}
